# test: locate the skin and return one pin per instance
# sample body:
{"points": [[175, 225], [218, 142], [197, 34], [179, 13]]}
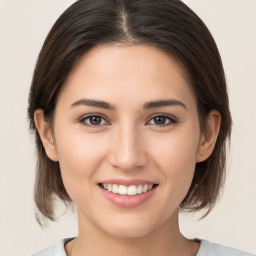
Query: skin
{"points": [[128, 143]]}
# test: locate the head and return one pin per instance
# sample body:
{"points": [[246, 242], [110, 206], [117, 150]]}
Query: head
{"points": [[161, 29]]}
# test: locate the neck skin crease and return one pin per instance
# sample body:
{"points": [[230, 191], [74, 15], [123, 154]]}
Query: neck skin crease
{"points": [[164, 241]]}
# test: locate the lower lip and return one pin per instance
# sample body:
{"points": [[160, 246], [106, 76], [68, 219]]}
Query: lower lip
{"points": [[127, 201]]}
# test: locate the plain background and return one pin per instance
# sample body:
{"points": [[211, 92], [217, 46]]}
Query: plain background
{"points": [[23, 27]]}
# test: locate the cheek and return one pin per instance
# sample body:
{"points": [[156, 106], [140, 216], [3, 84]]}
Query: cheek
{"points": [[79, 158], [176, 158], [75, 147], [177, 149]]}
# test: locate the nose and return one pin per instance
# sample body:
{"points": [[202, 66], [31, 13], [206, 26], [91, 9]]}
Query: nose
{"points": [[127, 149]]}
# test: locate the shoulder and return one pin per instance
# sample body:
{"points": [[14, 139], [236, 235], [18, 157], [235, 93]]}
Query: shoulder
{"points": [[211, 249], [55, 250]]}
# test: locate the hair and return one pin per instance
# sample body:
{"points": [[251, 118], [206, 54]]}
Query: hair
{"points": [[168, 25]]}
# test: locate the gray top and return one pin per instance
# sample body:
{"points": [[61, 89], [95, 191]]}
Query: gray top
{"points": [[206, 249]]}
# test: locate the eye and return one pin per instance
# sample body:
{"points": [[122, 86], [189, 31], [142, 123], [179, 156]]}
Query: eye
{"points": [[162, 120], [93, 120]]}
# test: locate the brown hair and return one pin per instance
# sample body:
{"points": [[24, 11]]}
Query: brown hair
{"points": [[168, 25]]}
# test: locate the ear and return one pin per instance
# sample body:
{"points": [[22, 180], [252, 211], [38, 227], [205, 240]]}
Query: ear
{"points": [[45, 132], [209, 136]]}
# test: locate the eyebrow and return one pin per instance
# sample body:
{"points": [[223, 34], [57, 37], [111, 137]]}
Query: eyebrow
{"points": [[146, 106], [163, 103], [93, 103]]}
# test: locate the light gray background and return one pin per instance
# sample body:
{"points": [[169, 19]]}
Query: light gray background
{"points": [[23, 27]]}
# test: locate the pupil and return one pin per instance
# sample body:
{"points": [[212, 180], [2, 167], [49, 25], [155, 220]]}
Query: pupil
{"points": [[159, 120], [95, 120]]}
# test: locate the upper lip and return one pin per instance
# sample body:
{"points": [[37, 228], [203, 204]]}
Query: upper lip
{"points": [[126, 182]]}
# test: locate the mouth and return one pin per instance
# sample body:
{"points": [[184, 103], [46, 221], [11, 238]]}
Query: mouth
{"points": [[131, 190], [128, 193]]}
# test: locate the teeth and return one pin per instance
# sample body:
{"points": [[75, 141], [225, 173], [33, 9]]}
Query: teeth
{"points": [[127, 190], [115, 188], [132, 190], [139, 189], [122, 190], [145, 188]]}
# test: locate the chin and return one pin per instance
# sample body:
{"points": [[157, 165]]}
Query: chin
{"points": [[129, 233], [130, 229]]}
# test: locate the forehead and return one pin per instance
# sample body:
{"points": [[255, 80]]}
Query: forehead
{"points": [[110, 71], [119, 56]]}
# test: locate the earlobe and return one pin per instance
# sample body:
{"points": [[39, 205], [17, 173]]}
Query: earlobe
{"points": [[45, 132], [209, 136]]}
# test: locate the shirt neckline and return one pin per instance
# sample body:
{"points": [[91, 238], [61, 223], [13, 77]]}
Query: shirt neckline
{"points": [[202, 242]]}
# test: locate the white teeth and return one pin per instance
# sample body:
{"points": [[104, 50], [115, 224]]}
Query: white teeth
{"points": [[127, 190], [109, 187], [122, 190], [145, 188], [132, 191], [139, 189], [115, 189]]}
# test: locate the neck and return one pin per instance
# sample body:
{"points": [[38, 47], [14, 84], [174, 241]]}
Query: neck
{"points": [[163, 241]]}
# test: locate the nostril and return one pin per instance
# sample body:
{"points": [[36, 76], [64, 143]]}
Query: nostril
{"points": [[128, 161]]}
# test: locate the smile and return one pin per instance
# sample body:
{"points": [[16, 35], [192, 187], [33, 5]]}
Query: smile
{"points": [[131, 190], [127, 193]]}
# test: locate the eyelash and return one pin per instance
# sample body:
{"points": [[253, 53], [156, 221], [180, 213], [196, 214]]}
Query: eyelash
{"points": [[83, 120], [171, 120]]}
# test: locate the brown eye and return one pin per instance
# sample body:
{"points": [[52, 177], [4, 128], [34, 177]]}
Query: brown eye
{"points": [[93, 120], [162, 120]]}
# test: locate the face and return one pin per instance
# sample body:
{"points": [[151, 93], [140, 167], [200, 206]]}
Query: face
{"points": [[127, 137]]}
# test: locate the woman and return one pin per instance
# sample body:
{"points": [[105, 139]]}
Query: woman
{"points": [[130, 109]]}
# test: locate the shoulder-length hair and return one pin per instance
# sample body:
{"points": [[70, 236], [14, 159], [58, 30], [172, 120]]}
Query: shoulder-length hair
{"points": [[168, 25]]}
